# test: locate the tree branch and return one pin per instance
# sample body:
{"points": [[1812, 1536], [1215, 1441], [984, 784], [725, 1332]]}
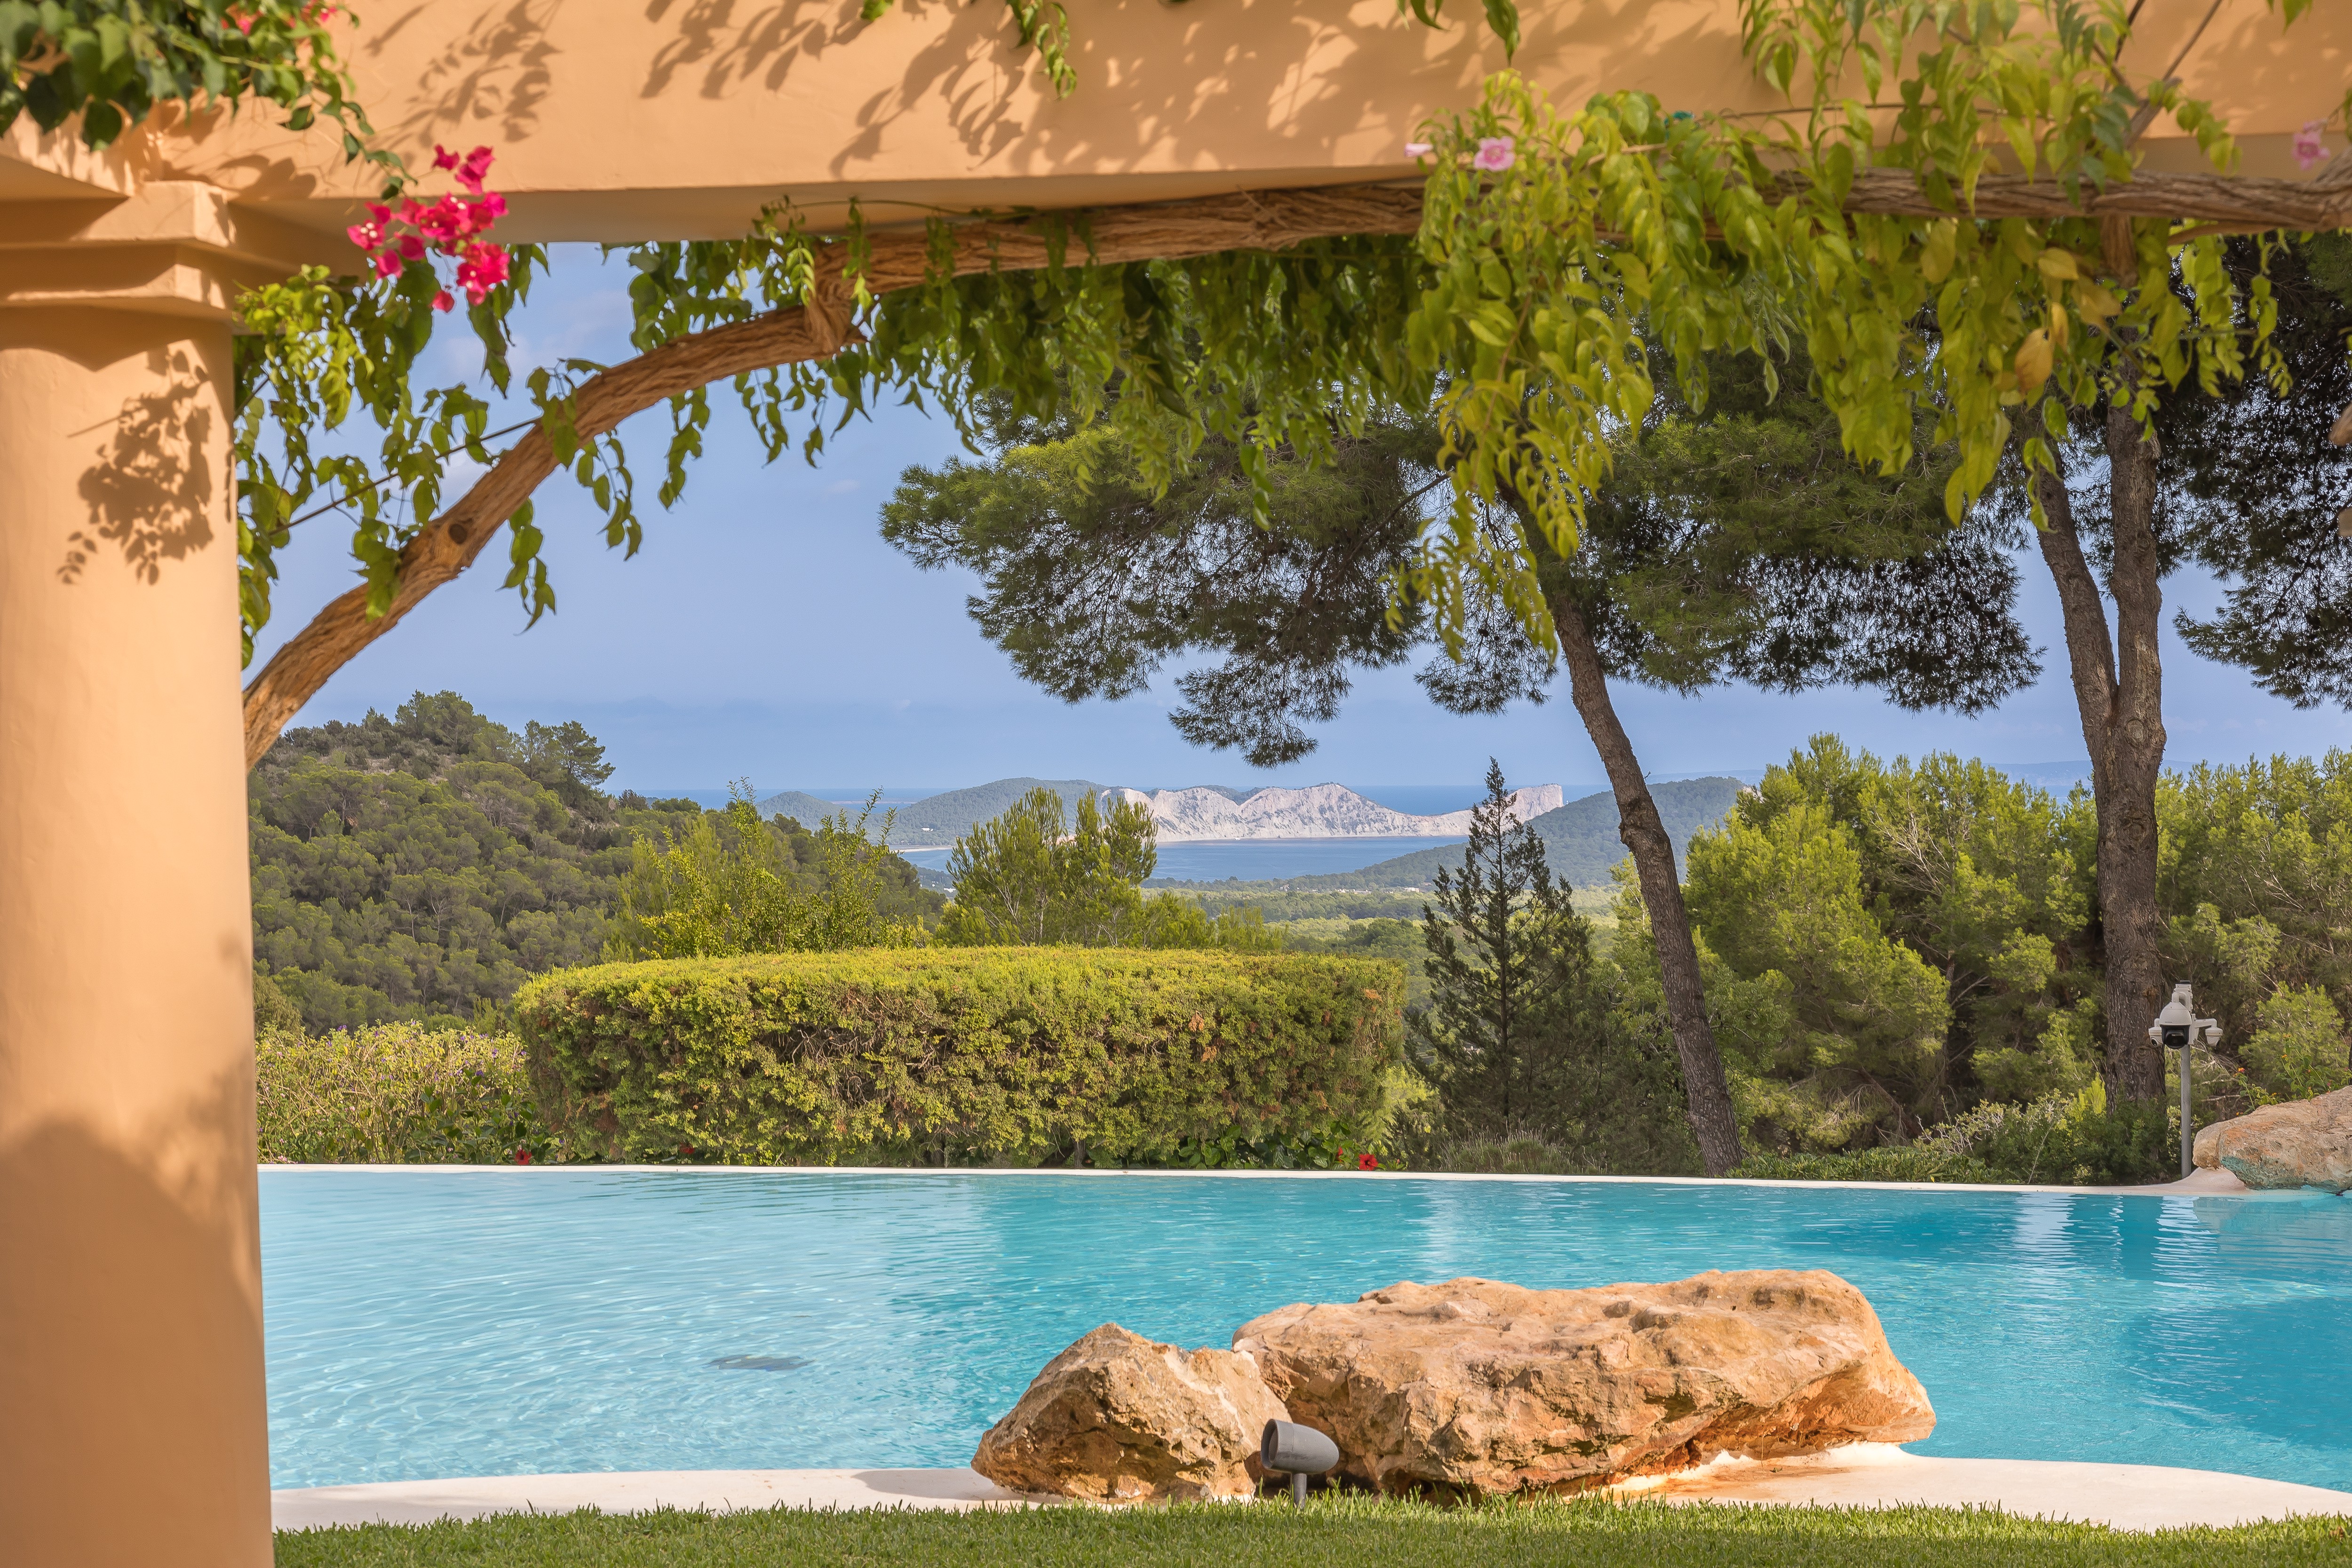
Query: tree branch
{"points": [[451, 542]]}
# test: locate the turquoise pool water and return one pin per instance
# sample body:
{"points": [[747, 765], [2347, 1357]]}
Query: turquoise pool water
{"points": [[426, 1325]]}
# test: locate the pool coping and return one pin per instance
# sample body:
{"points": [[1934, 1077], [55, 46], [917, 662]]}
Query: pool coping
{"points": [[1863, 1475], [2204, 1184]]}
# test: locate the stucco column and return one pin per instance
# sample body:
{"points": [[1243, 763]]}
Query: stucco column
{"points": [[132, 1420]]}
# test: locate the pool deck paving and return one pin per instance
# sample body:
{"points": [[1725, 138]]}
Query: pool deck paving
{"points": [[2127, 1497]]}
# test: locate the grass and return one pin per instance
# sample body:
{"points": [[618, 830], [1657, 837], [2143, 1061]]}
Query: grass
{"points": [[1342, 1532]]}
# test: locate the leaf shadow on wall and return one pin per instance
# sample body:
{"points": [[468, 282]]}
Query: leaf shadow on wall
{"points": [[499, 69], [153, 490]]}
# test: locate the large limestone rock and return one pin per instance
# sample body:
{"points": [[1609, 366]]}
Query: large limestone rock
{"points": [[2302, 1143], [1474, 1385], [1119, 1419]]}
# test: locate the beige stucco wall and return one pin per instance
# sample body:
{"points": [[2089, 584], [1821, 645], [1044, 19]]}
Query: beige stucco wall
{"points": [[617, 122]]}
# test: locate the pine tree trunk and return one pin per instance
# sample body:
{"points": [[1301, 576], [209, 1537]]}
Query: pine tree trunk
{"points": [[1707, 1094], [2118, 690]]}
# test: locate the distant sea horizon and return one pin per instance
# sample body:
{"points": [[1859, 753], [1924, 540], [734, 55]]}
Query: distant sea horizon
{"points": [[1254, 860], [1413, 800]]}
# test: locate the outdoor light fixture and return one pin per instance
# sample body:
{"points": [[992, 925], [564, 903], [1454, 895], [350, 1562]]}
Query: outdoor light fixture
{"points": [[2176, 1028], [1302, 1451]]}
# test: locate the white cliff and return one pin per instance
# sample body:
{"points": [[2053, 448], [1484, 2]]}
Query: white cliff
{"points": [[1323, 811]]}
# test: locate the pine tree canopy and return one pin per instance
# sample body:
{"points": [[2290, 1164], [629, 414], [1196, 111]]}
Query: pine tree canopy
{"points": [[1736, 544]]}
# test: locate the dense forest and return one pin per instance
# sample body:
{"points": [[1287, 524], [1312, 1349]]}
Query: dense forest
{"points": [[421, 866]]}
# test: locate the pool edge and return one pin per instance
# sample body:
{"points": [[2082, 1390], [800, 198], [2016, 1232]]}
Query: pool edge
{"points": [[2205, 1183]]}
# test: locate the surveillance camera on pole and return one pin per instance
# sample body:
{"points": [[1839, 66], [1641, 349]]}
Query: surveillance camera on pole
{"points": [[1301, 1451], [2178, 1028]]}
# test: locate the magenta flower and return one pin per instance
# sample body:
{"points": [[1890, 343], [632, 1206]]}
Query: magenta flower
{"points": [[2309, 149], [484, 269], [1496, 154], [442, 302], [1418, 149]]}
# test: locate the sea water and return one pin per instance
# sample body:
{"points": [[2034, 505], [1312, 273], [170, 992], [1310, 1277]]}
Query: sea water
{"points": [[426, 1323]]}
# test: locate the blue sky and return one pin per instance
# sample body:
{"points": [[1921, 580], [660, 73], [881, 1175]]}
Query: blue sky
{"points": [[765, 631]]}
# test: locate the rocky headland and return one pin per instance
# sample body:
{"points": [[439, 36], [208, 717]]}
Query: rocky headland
{"points": [[1321, 811]]}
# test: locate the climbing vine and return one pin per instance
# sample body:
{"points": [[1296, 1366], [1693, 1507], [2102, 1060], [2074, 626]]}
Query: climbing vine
{"points": [[113, 62]]}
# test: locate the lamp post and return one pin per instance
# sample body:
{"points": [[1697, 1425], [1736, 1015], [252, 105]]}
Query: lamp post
{"points": [[2178, 1028]]}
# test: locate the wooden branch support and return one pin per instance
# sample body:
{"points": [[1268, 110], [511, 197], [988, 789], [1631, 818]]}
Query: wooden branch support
{"points": [[1244, 220]]}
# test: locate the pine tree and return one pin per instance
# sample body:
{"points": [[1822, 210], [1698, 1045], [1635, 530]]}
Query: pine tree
{"points": [[1494, 972]]}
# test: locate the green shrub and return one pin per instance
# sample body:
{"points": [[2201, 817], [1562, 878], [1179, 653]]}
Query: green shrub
{"points": [[1514, 1154], [396, 1094], [2060, 1139], [2297, 1050], [966, 1055], [1907, 1163], [273, 1009]]}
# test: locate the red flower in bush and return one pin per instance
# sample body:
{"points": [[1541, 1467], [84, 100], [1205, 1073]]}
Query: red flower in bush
{"points": [[1368, 1162], [523, 1156]]}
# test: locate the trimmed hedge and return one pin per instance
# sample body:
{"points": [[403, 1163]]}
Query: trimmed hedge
{"points": [[396, 1094], [1009, 1055]]}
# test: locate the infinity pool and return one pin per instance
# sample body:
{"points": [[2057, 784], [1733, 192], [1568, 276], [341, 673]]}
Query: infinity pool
{"points": [[427, 1324]]}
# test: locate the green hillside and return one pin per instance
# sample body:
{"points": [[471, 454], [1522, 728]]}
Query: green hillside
{"points": [[937, 822], [1579, 839], [806, 809], [418, 866]]}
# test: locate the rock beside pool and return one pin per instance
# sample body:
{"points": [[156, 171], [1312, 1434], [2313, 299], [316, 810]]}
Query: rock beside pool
{"points": [[1119, 1418], [1475, 1387], [2302, 1143]]}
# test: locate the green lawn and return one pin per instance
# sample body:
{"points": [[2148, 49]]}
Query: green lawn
{"points": [[1346, 1533]]}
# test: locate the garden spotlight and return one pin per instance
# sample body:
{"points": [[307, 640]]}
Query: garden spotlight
{"points": [[1300, 1450], [2176, 1028]]}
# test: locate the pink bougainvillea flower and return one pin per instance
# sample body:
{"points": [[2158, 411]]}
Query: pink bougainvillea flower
{"points": [[484, 269], [1496, 154], [443, 223], [366, 236], [411, 248], [442, 302], [387, 265], [1418, 149], [2309, 149], [443, 158]]}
